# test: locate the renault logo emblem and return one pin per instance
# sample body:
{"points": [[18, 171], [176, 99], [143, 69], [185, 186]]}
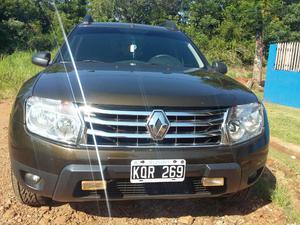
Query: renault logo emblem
{"points": [[158, 125]]}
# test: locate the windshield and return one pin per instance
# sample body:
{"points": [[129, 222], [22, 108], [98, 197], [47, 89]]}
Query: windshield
{"points": [[132, 46]]}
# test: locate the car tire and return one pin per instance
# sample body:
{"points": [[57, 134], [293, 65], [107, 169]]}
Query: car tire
{"points": [[240, 196], [27, 197]]}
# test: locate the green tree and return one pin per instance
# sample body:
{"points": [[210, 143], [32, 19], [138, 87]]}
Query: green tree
{"points": [[26, 24], [135, 11]]}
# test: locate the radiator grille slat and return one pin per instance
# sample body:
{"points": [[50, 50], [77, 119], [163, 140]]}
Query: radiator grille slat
{"points": [[128, 127], [184, 123]]}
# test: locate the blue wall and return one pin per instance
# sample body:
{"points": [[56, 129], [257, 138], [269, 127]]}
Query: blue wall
{"points": [[282, 87]]}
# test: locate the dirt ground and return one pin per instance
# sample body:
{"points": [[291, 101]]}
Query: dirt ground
{"points": [[202, 211]]}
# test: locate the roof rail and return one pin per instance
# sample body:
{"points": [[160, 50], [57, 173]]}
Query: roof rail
{"points": [[169, 25], [88, 19]]}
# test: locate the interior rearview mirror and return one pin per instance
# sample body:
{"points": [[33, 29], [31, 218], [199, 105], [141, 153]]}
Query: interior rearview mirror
{"points": [[41, 59], [219, 67]]}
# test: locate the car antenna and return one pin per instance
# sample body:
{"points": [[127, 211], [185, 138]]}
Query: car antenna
{"points": [[88, 19]]}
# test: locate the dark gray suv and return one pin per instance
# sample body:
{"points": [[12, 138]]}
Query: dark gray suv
{"points": [[134, 111]]}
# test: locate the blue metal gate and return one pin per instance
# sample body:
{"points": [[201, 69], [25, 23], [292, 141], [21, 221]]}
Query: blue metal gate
{"points": [[282, 84]]}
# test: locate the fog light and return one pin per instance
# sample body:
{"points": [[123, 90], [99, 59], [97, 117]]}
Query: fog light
{"points": [[32, 178], [211, 182], [93, 185]]}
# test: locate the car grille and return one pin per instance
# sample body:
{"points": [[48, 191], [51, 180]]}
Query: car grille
{"points": [[123, 188], [189, 186], [118, 127]]}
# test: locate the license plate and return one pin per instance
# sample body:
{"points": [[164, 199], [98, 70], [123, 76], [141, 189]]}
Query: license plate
{"points": [[156, 171]]}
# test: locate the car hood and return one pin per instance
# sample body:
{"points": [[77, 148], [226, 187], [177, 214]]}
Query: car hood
{"points": [[134, 86]]}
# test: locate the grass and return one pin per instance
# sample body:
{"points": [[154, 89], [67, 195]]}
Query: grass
{"points": [[284, 122], [14, 70], [292, 164], [235, 72], [281, 195], [242, 72]]}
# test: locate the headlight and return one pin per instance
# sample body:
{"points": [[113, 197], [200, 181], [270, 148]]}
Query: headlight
{"points": [[245, 122], [53, 119]]}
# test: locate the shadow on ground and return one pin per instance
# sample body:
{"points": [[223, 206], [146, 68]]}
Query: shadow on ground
{"points": [[260, 195]]}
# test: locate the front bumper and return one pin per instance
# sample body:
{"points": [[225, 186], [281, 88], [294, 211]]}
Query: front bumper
{"points": [[62, 168], [65, 187]]}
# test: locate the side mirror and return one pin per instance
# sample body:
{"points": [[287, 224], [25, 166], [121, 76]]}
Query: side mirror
{"points": [[41, 59], [219, 67]]}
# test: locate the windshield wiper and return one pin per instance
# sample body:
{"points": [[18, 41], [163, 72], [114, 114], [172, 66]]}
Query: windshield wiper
{"points": [[191, 70], [62, 61], [90, 60]]}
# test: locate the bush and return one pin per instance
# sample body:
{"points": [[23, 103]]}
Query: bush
{"points": [[14, 70], [42, 42]]}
